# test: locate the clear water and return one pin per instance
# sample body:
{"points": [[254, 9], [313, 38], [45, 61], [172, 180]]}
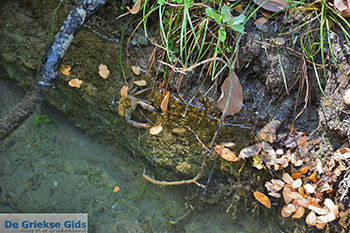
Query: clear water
{"points": [[55, 167]]}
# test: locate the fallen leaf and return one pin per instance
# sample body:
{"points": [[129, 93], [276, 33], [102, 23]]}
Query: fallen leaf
{"points": [[116, 189], [141, 83], [259, 23], [331, 206], [136, 8], [311, 219], [75, 82], [165, 101], [238, 8], [64, 69], [325, 188], [304, 170], [288, 210], [279, 41], [297, 175], [326, 219], [299, 212], [345, 13], [103, 71], [287, 178], [313, 177], [136, 70], [297, 183], [302, 141], [124, 91], [268, 132], [251, 151], [262, 198], [272, 5], [231, 100], [342, 153], [225, 153], [318, 210], [289, 195], [156, 129], [309, 188], [274, 194]]}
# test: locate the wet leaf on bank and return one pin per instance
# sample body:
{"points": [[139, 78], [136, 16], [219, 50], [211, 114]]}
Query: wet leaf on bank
{"points": [[136, 70], [251, 151], [75, 82], [141, 83], [311, 219], [103, 71], [262, 198], [299, 212], [165, 102], [136, 8], [65, 69], [231, 100], [288, 210], [272, 5], [156, 129], [226, 153], [124, 91]]}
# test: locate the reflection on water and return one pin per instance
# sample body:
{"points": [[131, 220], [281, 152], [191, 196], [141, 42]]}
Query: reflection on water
{"points": [[55, 167]]}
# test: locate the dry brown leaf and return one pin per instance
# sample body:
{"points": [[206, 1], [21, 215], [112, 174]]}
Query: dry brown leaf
{"points": [[299, 212], [136, 8], [325, 188], [64, 69], [318, 210], [262, 198], [313, 177], [75, 82], [304, 170], [297, 183], [273, 194], [297, 175], [124, 91], [345, 13], [225, 153], [251, 151], [165, 101], [156, 129], [238, 8], [103, 71], [272, 5], [322, 220], [287, 178], [288, 210], [290, 195], [302, 141], [311, 219], [231, 100], [342, 153], [331, 207], [309, 188], [141, 83], [136, 70]]}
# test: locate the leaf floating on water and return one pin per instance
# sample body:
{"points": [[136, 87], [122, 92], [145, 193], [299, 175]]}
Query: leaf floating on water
{"points": [[225, 153], [64, 69], [141, 83], [136, 70], [231, 100], [272, 5], [262, 198], [136, 8], [103, 71], [124, 91], [156, 129], [165, 101], [75, 82]]}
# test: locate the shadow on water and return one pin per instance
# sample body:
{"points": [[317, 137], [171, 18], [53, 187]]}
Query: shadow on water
{"points": [[48, 165]]}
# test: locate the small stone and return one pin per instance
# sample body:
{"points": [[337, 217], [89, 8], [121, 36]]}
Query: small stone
{"points": [[346, 97]]}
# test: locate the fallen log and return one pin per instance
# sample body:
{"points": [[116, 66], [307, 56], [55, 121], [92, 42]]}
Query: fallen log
{"points": [[49, 69]]}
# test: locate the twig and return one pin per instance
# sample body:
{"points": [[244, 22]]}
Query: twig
{"points": [[194, 181], [198, 139]]}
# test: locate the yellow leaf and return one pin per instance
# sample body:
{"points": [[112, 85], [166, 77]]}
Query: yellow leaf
{"points": [[75, 83], [64, 69], [103, 71], [135, 9], [156, 129], [262, 198], [136, 70], [165, 101], [141, 83]]}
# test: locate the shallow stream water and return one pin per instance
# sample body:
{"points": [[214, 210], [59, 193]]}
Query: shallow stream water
{"points": [[48, 165]]}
